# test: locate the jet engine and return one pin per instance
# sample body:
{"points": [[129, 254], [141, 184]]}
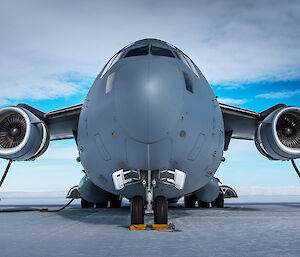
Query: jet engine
{"points": [[278, 135], [23, 136]]}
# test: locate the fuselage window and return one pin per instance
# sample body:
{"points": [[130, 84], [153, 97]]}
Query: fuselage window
{"points": [[188, 82], [138, 51], [110, 82], [161, 51]]}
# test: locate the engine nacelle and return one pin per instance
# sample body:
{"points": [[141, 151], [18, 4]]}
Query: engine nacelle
{"points": [[23, 136], [278, 135]]}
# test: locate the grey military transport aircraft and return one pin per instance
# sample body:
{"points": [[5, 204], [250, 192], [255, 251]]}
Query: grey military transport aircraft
{"points": [[150, 130]]}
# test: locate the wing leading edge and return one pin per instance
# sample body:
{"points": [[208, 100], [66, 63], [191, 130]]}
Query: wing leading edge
{"points": [[62, 123], [241, 123]]}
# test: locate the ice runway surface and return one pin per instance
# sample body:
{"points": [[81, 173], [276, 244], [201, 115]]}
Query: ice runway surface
{"points": [[245, 227]]}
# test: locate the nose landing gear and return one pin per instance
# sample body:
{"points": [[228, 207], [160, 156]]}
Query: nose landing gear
{"points": [[160, 211], [149, 179]]}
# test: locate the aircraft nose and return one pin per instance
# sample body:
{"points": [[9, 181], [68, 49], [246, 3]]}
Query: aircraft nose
{"points": [[148, 98]]}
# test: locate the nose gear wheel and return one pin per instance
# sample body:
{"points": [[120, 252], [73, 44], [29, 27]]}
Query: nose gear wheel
{"points": [[160, 210], [137, 210]]}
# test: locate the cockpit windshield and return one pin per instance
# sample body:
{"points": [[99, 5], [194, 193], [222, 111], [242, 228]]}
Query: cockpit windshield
{"points": [[153, 47], [154, 50], [144, 50], [161, 51]]}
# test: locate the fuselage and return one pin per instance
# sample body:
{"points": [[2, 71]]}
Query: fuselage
{"points": [[151, 108]]}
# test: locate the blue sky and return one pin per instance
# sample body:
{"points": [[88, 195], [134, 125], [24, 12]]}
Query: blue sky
{"points": [[51, 52]]}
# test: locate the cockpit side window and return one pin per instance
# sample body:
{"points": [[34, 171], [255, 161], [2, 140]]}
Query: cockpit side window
{"points": [[111, 62], [181, 57], [161, 51], [186, 60], [108, 65], [144, 50], [192, 66], [118, 57]]}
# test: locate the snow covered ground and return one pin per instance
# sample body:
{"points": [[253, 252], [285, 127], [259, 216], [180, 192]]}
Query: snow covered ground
{"points": [[248, 226]]}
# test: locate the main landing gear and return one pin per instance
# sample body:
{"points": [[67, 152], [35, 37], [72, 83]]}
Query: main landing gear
{"points": [[115, 202], [86, 204], [219, 202], [190, 202]]}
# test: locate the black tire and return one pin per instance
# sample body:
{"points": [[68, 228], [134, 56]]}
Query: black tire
{"points": [[115, 201], [202, 204], [189, 201], [214, 203], [160, 210], [137, 210], [102, 204], [86, 204], [220, 201]]}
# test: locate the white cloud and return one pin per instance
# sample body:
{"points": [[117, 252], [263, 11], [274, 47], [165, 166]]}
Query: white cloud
{"points": [[231, 41], [279, 95], [231, 101]]}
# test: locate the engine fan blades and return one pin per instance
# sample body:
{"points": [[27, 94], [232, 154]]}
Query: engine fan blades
{"points": [[12, 130], [288, 130]]}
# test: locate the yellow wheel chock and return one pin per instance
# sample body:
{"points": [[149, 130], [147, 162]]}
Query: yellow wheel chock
{"points": [[160, 226], [138, 227], [163, 227]]}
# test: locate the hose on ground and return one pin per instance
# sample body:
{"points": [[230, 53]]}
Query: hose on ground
{"points": [[32, 209]]}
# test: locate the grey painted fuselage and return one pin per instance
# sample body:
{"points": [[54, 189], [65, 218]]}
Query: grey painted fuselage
{"points": [[140, 114]]}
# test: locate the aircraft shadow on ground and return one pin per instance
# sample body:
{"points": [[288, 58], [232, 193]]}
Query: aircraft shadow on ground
{"points": [[112, 216], [121, 216]]}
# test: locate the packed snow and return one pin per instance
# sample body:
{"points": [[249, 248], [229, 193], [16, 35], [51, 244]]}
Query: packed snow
{"points": [[249, 226]]}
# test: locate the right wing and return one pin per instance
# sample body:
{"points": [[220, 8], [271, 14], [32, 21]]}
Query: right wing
{"points": [[276, 131], [242, 123]]}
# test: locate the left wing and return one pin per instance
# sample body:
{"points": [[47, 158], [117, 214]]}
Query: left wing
{"points": [[62, 123]]}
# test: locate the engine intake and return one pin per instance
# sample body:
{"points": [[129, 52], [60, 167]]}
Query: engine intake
{"points": [[23, 136], [278, 135]]}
